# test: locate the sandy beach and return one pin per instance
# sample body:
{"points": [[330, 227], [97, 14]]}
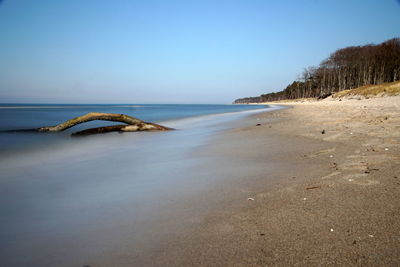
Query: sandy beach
{"points": [[316, 184], [313, 184], [199, 133]]}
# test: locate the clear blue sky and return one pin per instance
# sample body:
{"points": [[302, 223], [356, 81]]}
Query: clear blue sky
{"points": [[95, 51]]}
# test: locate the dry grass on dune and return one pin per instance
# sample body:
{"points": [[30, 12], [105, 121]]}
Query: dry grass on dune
{"points": [[300, 100], [392, 88], [366, 91]]}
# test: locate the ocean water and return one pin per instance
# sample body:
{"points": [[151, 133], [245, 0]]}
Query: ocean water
{"points": [[30, 116], [107, 199]]}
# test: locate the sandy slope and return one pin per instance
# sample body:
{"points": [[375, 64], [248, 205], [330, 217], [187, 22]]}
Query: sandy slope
{"points": [[330, 199]]}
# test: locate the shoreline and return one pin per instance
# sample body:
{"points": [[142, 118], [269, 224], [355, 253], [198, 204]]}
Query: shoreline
{"points": [[264, 189], [108, 200], [321, 199]]}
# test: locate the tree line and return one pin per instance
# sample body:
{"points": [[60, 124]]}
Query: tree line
{"points": [[346, 68]]}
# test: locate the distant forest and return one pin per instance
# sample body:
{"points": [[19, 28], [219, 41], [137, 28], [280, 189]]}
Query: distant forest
{"points": [[346, 68]]}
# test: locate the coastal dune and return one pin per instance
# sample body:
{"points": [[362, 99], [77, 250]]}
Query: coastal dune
{"points": [[326, 195]]}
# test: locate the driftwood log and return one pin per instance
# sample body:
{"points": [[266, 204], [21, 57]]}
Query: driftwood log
{"points": [[131, 124]]}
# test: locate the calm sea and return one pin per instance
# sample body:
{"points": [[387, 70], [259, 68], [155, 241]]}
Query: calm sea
{"points": [[29, 116], [107, 199]]}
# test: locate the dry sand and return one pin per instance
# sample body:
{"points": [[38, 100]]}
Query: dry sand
{"points": [[324, 191]]}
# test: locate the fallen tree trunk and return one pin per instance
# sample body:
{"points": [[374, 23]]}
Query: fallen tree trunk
{"points": [[147, 126], [132, 124], [92, 116]]}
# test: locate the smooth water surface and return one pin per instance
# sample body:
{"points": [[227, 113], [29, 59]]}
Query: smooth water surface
{"points": [[110, 196], [31, 116]]}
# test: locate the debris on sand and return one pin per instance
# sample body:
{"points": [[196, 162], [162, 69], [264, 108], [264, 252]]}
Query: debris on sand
{"points": [[313, 187]]}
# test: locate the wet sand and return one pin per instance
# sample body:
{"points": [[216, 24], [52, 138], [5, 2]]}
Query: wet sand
{"points": [[325, 179], [280, 193], [108, 200]]}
